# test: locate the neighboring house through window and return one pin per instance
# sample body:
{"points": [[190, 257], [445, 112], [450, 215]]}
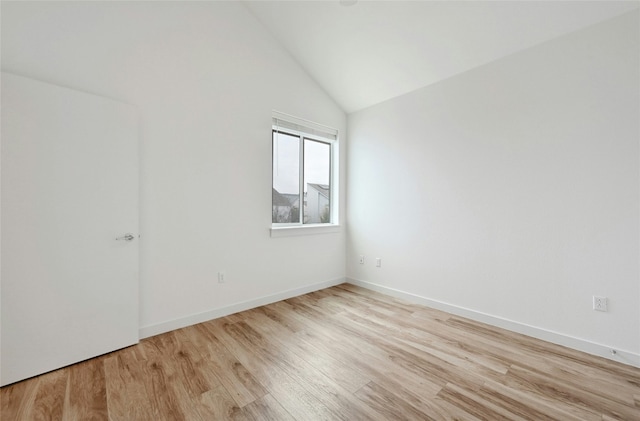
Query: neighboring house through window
{"points": [[318, 209], [303, 174]]}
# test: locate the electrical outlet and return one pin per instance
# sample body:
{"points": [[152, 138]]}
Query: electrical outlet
{"points": [[378, 262], [221, 277], [600, 303], [361, 260]]}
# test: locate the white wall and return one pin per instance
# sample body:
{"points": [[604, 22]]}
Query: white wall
{"points": [[205, 77], [511, 191]]}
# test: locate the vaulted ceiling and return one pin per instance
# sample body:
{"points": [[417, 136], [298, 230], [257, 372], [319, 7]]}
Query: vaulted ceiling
{"points": [[371, 51]]}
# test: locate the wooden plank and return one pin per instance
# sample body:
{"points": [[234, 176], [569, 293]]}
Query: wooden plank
{"points": [[267, 408], [341, 373], [239, 382], [217, 404], [195, 371], [551, 408], [574, 395], [339, 401], [17, 399], [50, 395], [294, 398], [158, 371], [127, 397], [387, 404], [86, 394]]}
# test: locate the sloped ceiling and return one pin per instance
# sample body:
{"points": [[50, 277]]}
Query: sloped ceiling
{"points": [[372, 51]]}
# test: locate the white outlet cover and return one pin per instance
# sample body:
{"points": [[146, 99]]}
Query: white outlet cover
{"points": [[600, 303]]}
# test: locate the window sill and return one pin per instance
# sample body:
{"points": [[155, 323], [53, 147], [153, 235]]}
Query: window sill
{"points": [[304, 230]]}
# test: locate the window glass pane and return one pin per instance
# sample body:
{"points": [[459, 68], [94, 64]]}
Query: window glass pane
{"points": [[317, 179], [285, 197]]}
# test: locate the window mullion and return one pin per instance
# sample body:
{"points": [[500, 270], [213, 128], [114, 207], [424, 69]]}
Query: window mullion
{"points": [[331, 185], [301, 175]]}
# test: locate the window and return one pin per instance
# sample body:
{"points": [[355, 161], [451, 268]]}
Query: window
{"points": [[303, 174]]}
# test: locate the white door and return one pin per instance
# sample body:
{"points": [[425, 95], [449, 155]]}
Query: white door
{"points": [[69, 174]]}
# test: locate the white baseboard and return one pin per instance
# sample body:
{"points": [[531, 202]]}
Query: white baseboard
{"points": [[156, 329], [622, 356]]}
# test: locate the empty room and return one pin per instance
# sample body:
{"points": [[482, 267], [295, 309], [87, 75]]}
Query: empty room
{"points": [[320, 210]]}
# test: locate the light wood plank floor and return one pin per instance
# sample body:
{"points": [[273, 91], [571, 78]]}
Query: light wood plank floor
{"points": [[343, 353]]}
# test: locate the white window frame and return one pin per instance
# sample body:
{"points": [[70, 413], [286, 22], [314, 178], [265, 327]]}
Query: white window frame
{"points": [[304, 129]]}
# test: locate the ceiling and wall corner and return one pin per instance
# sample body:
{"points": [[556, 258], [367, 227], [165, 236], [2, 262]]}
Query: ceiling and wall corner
{"points": [[376, 50]]}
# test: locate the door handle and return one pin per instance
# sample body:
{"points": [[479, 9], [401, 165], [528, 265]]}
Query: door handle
{"points": [[126, 237]]}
